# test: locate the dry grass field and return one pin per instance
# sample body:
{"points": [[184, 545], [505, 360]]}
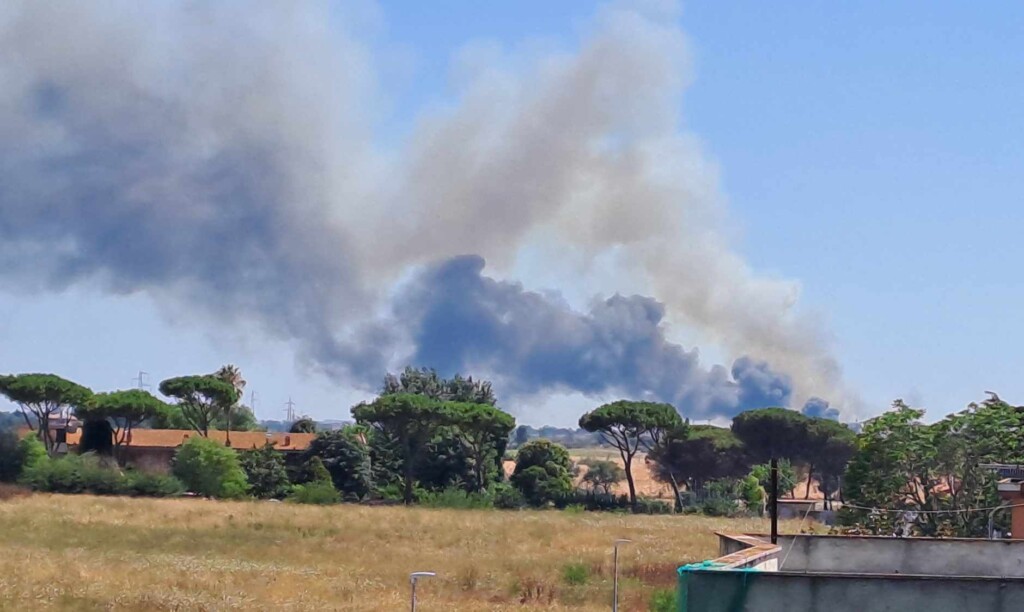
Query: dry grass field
{"points": [[94, 553]]}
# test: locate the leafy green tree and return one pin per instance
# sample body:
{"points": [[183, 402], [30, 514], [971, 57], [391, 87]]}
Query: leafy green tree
{"points": [[483, 430], [426, 382], [201, 399], [346, 459], [233, 376], [787, 476], [902, 463], [239, 417], [210, 469], [830, 445], [265, 472], [303, 425], [629, 425], [42, 396], [772, 433], [601, 476], [124, 411], [694, 455], [317, 487], [543, 472], [411, 421]]}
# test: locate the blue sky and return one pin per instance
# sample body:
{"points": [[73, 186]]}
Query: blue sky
{"points": [[870, 152]]}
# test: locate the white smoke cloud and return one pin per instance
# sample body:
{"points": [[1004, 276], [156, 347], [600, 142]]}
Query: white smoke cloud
{"points": [[225, 156]]}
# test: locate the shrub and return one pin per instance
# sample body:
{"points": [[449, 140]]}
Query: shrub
{"points": [[31, 451], [454, 497], [721, 498], [16, 455], [602, 475], [543, 472], [719, 506], [575, 574], [320, 493], [90, 474], [663, 601], [506, 497], [10, 457], [142, 484], [265, 472], [73, 474], [646, 505], [346, 459], [211, 469]]}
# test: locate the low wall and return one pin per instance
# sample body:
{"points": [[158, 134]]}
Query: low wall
{"points": [[886, 555], [709, 590]]}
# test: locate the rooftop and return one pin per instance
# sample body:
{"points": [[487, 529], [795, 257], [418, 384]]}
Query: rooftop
{"points": [[240, 440], [855, 573]]}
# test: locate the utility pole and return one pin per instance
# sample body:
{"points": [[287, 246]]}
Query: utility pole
{"points": [[775, 499], [140, 380], [252, 401]]}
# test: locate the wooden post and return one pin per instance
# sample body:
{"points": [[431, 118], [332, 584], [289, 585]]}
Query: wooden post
{"points": [[775, 500]]}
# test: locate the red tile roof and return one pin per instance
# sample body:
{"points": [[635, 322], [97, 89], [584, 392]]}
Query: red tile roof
{"points": [[240, 440]]}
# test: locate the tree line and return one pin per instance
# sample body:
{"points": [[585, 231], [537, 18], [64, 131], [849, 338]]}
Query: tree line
{"points": [[426, 437]]}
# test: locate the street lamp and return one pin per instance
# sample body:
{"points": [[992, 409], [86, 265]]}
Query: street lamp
{"points": [[413, 577], [615, 573]]}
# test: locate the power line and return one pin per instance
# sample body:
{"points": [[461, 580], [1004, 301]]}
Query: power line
{"points": [[290, 410]]}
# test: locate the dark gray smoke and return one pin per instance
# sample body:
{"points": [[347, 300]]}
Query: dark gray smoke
{"points": [[460, 320], [819, 408]]}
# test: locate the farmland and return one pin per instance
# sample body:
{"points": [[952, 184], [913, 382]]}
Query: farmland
{"points": [[84, 553]]}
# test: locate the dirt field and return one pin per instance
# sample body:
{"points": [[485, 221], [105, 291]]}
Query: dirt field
{"points": [[91, 553]]}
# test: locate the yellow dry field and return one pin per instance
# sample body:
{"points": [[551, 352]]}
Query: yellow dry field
{"points": [[102, 553]]}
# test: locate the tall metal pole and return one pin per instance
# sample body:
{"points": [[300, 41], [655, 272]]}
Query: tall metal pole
{"points": [[615, 573], [775, 500], [413, 577], [615, 579]]}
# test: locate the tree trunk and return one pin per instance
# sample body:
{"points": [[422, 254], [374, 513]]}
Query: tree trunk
{"points": [[675, 492], [407, 496], [628, 460], [810, 475]]}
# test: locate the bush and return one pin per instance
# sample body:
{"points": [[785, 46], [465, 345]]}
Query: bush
{"points": [[576, 574], [646, 505], [663, 601], [721, 499], [265, 472], [543, 472], [142, 484], [17, 454], [457, 498], [602, 475], [720, 506], [211, 469], [320, 493], [73, 474], [346, 459], [506, 497]]}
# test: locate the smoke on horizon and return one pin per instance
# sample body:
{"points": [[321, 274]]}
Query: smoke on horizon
{"points": [[224, 158]]}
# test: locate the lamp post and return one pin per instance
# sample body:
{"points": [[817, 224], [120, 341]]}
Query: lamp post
{"points": [[615, 573], [413, 577]]}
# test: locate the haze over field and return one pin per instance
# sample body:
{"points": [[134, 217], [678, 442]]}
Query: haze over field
{"points": [[548, 221]]}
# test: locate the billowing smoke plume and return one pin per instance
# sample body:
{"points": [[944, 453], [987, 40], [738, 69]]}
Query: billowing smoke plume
{"points": [[819, 408], [223, 156], [462, 321]]}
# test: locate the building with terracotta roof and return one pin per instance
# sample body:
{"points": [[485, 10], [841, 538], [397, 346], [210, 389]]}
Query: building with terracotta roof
{"points": [[153, 449]]}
